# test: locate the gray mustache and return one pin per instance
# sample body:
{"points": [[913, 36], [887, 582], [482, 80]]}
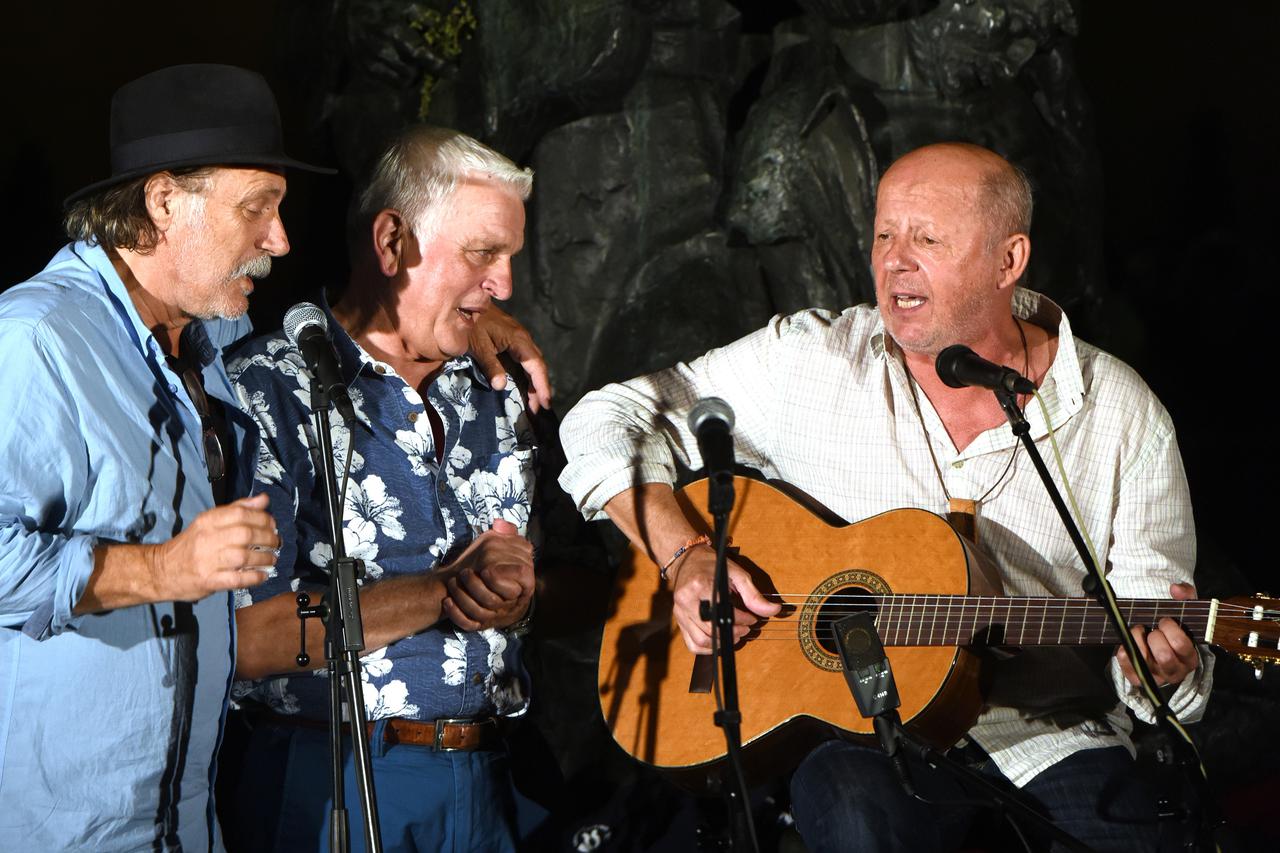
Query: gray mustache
{"points": [[259, 267]]}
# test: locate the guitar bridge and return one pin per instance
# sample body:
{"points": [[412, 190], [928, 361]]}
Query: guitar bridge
{"points": [[702, 674]]}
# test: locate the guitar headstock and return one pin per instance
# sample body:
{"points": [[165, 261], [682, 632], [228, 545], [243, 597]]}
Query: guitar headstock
{"points": [[1249, 628]]}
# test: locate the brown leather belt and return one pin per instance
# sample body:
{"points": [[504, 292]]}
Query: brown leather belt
{"points": [[444, 735]]}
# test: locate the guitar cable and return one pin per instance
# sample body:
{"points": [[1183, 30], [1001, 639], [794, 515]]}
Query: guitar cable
{"points": [[1162, 712]]}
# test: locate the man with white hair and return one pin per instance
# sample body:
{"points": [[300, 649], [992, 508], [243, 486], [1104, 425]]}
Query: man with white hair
{"points": [[437, 507]]}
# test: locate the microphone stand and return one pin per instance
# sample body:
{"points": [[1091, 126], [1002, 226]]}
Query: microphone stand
{"points": [[720, 497], [344, 639], [1096, 585], [870, 679]]}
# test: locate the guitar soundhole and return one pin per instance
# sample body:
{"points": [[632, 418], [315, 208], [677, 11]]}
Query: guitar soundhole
{"points": [[842, 594], [845, 601]]}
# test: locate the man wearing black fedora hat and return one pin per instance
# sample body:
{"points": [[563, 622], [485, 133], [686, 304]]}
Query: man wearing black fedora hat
{"points": [[119, 445]]}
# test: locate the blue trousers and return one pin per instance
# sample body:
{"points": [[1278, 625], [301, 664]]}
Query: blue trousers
{"points": [[427, 801], [847, 797]]}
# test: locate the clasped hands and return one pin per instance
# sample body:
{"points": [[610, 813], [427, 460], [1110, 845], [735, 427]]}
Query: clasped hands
{"points": [[491, 583]]}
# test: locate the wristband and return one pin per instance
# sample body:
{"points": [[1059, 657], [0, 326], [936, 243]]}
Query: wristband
{"points": [[704, 539]]}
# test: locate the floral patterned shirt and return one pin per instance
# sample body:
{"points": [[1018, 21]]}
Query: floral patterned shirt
{"points": [[403, 513]]}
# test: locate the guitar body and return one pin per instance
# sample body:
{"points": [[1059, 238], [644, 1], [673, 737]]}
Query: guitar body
{"points": [[788, 678]]}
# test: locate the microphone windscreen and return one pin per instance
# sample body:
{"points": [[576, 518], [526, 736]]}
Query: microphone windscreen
{"points": [[948, 365], [300, 316], [710, 408]]}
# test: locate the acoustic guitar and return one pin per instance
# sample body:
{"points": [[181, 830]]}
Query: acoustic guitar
{"points": [[928, 590]]}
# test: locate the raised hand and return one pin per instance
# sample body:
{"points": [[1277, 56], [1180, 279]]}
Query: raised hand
{"points": [[227, 547], [497, 332]]}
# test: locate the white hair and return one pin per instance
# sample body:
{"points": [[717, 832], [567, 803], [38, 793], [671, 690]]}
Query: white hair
{"points": [[420, 171]]}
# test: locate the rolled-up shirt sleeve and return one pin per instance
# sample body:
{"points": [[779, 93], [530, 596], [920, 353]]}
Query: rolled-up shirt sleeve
{"points": [[44, 563], [631, 433]]}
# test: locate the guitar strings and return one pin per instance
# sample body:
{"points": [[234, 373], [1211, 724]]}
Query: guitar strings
{"points": [[1076, 621]]}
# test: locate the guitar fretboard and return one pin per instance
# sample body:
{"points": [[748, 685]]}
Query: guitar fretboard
{"points": [[963, 620]]}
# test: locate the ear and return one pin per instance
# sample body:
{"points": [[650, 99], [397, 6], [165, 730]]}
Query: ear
{"points": [[1015, 252], [389, 232], [160, 196]]}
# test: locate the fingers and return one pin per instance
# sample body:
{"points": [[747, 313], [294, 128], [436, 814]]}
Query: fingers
{"points": [[472, 604], [1172, 654], [539, 376], [694, 585], [227, 547], [457, 617], [232, 579], [498, 332], [494, 585], [485, 354], [1126, 667], [1182, 591], [1169, 653], [741, 583], [697, 635], [471, 592], [491, 581]]}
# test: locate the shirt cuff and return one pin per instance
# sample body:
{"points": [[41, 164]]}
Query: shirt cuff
{"points": [[75, 565], [1188, 701], [591, 498]]}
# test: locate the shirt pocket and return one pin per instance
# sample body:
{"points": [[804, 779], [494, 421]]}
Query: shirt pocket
{"points": [[501, 487]]}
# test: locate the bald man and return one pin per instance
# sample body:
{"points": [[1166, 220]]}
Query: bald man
{"points": [[848, 408]]}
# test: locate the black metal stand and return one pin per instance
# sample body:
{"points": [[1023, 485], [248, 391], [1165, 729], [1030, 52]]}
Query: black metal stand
{"points": [[997, 798], [870, 679], [344, 640], [728, 716], [1096, 585]]}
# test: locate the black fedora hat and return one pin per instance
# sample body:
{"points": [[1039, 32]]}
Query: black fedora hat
{"points": [[193, 115]]}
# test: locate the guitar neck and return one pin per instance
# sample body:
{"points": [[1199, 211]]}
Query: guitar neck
{"points": [[969, 620]]}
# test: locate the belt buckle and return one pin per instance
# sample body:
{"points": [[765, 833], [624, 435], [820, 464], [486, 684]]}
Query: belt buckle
{"points": [[438, 743]]}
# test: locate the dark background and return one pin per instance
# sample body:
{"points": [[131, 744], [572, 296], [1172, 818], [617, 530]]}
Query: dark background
{"points": [[1184, 107], [1185, 116]]}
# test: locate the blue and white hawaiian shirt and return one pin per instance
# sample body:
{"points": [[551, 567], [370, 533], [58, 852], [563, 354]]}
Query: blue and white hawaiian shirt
{"points": [[403, 514]]}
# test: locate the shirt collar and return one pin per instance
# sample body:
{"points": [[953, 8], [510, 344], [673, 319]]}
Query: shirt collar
{"points": [[1063, 387], [96, 258], [355, 359], [203, 348]]}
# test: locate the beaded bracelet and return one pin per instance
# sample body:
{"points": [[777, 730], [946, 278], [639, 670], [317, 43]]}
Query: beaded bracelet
{"points": [[704, 539]]}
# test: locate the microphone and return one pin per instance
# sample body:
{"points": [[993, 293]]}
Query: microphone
{"points": [[870, 678], [711, 420], [961, 367], [307, 329]]}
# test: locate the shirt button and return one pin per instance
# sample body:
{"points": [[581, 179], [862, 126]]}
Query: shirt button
{"points": [[380, 370], [477, 679], [413, 417], [958, 464]]}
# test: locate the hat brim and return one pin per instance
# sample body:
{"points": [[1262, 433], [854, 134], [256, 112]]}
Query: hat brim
{"points": [[268, 160]]}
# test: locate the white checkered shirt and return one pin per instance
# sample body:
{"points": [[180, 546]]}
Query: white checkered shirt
{"points": [[822, 402]]}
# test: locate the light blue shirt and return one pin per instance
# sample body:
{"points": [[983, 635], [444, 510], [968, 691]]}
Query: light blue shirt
{"points": [[109, 723]]}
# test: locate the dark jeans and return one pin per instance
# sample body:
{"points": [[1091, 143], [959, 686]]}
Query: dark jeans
{"points": [[847, 797], [427, 800]]}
